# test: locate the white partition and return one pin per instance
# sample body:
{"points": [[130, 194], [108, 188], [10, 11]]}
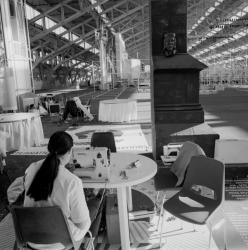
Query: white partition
{"points": [[231, 151]]}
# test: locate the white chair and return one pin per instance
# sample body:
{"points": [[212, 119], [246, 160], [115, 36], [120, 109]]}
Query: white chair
{"points": [[231, 151]]}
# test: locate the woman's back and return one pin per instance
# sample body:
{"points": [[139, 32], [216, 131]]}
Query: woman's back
{"points": [[67, 193], [61, 186]]}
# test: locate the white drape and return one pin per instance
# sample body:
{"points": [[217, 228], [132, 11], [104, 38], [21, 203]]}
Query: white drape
{"points": [[8, 90]]}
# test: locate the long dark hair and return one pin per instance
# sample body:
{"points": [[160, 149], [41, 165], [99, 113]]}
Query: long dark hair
{"points": [[42, 185]]}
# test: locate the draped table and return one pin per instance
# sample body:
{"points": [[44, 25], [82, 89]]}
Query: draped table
{"points": [[24, 130], [121, 162], [117, 110]]}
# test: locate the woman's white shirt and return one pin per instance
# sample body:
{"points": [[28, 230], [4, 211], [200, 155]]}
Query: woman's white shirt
{"points": [[68, 194]]}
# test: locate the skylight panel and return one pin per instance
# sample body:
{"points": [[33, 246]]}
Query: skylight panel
{"points": [[30, 12], [241, 13], [66, 36], [39, 22], [211, 9], [74, 37], [235, 36], [49, 23], [242, 33], [59, 30]]}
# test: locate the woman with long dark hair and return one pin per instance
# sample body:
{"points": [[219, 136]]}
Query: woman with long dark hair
{"points": [[49, 183]]}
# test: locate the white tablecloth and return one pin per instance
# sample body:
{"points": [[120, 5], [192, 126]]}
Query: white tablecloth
{"points": [[118, 110], [25, 130]]}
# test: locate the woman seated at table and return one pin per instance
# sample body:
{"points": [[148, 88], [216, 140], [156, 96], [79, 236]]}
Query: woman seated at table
{"points": [[49, 183], [75, 108]]}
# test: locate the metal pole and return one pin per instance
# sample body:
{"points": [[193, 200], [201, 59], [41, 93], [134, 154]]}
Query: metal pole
{"points": [[93, 77], [29, 47]]}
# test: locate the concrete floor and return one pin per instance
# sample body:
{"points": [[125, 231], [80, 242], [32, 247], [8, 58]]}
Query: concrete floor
{"points": [[227, 112]]}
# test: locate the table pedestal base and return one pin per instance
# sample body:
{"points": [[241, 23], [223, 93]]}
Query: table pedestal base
{"points": [[123, 215]]}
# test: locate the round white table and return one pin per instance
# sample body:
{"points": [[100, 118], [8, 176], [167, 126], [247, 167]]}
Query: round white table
{"points": [[120, 162], [117, 110], [24, 130]]}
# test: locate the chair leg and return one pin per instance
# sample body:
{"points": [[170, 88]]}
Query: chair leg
{"points": [[90, 245], [158, 192], [156, 201], [161, 230], [161, 210], [210, 236]]}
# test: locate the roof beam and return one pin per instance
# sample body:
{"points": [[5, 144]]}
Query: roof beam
{"points": [[134, 26], [67, 20], [138, 40], [73, 56], [130, 12], [129, 21], [40, 16], [135, 46], [136, 34], [77, 41]]}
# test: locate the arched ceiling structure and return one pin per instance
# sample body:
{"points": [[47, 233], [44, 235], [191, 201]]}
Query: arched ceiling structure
{"points": [[217, 29]]}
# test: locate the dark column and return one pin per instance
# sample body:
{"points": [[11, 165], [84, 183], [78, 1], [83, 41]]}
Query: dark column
{"points": [[178, 115]]}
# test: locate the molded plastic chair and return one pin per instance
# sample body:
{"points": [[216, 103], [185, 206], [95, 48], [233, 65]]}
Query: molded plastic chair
{"points": [[202, 192], [170, 179], [41, 225], [103, 139]]}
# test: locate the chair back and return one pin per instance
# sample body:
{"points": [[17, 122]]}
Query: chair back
{"points": [[40, 225], [206, 172], [103, 139]]}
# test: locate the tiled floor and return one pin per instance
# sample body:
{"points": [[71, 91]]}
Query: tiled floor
{"points": [[236, 227]]}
